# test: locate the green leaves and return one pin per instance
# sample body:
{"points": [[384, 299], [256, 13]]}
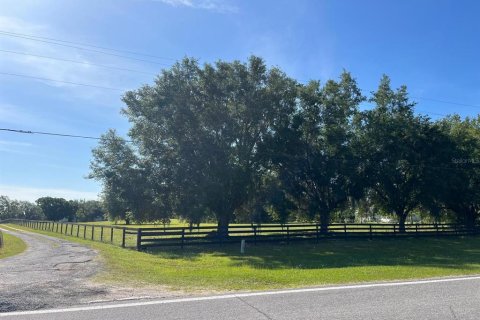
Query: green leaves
{"points": [[315, 157], [225, 139]]}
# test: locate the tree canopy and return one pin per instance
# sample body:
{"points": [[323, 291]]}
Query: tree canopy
{"points": [[220, 140]]}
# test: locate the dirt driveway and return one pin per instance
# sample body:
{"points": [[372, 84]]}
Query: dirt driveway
{"points": [[54, 273]]}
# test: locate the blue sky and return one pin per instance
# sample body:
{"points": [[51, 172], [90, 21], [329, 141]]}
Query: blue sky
{"points": [[431, 46]]}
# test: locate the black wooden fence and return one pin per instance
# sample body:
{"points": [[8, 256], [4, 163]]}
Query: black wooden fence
{"points": [[142, 238], [122, 236]]}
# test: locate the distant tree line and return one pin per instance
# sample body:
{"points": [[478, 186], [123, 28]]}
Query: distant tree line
{"points": [[55, 209], [235, 141]]}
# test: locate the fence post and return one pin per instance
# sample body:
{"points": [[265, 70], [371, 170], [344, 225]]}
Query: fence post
{"points": [[123, 237], [71, 230], [139, 239], [437, 229], [255, 235], [84, 231], [101, 234], [345, 230], [78, 230], [61, 227], [93, 232], [183, 238], [371, 235], [318, 233], [416, 229], [394, 229], [111, 234]]}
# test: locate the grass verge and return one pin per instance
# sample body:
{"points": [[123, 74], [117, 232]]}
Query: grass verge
{"points": [[272, 266], [12, 246]]}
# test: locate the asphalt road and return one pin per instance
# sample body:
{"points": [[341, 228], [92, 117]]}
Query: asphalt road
{"points": [[432, 299]]}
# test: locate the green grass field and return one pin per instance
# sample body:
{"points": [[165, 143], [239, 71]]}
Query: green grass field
{"points": [[269, 266], [12, 246]]}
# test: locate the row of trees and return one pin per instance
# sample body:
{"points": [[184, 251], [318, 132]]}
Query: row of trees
{"points": [[240, 141], [51, 209]]}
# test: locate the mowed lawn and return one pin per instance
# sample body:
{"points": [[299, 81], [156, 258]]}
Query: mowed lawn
{"points": [[273, 266], [12, 246]]}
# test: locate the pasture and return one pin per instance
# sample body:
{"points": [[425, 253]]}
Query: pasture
{"points": [[270, 266]]}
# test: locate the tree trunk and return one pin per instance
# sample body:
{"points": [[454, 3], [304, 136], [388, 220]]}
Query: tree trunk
{"points": [[470, 219], [324, 222], [402, 217], [222, 226]]}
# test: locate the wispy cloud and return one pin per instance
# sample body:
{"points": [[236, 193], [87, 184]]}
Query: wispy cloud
{"points": [[61, 70], [211, 5], [14, 143], [15, 147], [32, 194]]}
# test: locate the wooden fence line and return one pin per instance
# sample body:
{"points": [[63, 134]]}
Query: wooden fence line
{"points": [[142, 238]]}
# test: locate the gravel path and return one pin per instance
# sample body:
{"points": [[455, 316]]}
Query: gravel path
{"points": [[54, 272]]}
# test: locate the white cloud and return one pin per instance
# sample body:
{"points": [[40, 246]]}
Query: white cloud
{"points": [[32, 194], [212, 5]]}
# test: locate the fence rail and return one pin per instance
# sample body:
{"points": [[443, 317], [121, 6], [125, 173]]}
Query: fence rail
{"points": [[142, 238], [121, 236]]}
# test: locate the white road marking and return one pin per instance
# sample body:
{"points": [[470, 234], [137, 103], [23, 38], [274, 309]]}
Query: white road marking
{"points": [[238, 295]]}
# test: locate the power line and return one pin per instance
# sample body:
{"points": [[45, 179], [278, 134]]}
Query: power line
{"points": [[55, 42], [84, 49], [130, 141], [448, 102], [53, 134], [422, 98], [60, 81], [76, 61], [86, 45], [118, 89]]}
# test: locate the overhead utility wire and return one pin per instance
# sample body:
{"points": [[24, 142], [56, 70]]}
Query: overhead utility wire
{"points": [[53, 134], [60, 81], [85, 49], [39, 38], [76, 61], [118, 89], [86, 45], [130, 141]]}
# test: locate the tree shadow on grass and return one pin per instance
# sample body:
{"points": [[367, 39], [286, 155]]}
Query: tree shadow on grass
{"points": [[453, 252]]}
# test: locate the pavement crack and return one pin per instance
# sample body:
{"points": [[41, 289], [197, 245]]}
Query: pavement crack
{"points": [[453, 313], [70, 262], [255, 308]]}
